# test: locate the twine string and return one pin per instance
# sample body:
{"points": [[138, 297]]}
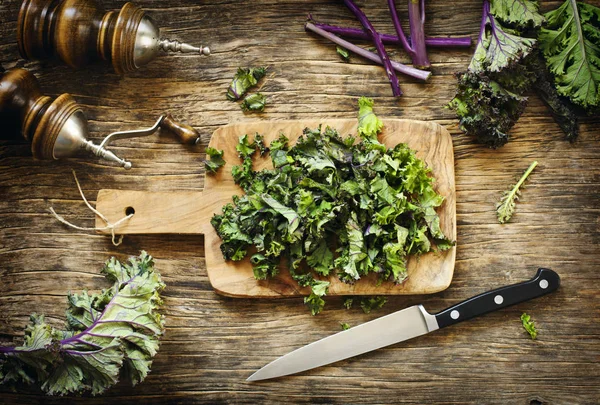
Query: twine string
{"points": [[109, 226]]}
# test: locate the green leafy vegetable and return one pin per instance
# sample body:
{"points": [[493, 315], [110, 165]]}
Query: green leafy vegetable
{"points": [[254, 102], [343, 52], [561, 109], [108, 335], [485, 109], [506, 64], [344, 326], [506, 207], [529, 325], [369, 125], [571, 44], [522, 13], [368, 304], [244, 79], [498, 47], [489, 99], [215, 160], [332, 206], [244, 148]]}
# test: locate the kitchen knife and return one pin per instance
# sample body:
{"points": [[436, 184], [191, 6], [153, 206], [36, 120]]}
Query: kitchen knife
{"points": [[403, 325]]}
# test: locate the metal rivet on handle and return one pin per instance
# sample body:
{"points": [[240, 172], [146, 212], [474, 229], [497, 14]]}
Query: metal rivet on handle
{"points": [[544, 284], [454, 314], [498, 299]]}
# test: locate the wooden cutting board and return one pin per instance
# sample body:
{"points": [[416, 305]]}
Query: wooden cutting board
{"points": [[189, 212]]}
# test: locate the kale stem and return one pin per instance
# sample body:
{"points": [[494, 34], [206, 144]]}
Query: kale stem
{"points": [[7, 350], [416, 18], [378, 44], [357, 33], [484, 18], [407, 70], [398, 28], [523, 178]]}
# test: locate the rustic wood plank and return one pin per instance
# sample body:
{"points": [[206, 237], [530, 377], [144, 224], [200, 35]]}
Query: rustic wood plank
{"points": [[213, 343]]}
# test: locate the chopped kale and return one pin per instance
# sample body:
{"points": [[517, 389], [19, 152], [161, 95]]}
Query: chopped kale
{"points": [[254, 102], [343, 52], [529, 326], [332, 206], [244, 79], [215, 160]]}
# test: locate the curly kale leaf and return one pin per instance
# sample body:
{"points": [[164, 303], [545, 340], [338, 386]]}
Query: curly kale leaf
{"points": [[254, 102], [368, 304], [489, 99], [506, 207], [244, 79], [215, 160], [108, 335], [259, 142], [529, 326], [244, 147], [521, 13], [369, 125], [562, 110], [570, 42], [485, 109], [498, 46]]}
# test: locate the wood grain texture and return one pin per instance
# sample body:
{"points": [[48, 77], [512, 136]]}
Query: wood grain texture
{"points": [[213, 343], [190, 212]]}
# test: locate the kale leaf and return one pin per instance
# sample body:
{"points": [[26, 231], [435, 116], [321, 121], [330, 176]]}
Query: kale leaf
{"points": [[331, 206], [485, 108], [369, 125], [110, 334], [343, 52], [254, 102], [506, 207], [506, 64], [498, 47], [522, 13], [529, 326], [571, 44], [244, 79], [368, 304], [215, 161], [489, 98]]}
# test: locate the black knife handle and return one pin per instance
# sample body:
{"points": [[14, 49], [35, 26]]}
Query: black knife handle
{"points": [[544, 282]]}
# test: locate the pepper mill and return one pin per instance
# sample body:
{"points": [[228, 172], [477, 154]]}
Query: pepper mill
{"points": [[79, 32], [58, 128]]}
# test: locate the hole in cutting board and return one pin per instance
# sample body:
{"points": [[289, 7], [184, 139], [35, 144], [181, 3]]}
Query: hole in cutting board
{"points": [[129, 211]]}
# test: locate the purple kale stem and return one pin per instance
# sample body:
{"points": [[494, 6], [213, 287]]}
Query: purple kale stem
{"points": [[398, 27], [399, 67], [416, 19], [484, 18], [357, 33], [378, 44], [7, 350]]}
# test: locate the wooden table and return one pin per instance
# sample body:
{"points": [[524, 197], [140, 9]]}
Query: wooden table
{"points": [[213, 343]]}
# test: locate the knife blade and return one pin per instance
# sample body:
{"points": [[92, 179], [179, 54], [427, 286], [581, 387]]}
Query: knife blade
{"points": [[403, 325]]}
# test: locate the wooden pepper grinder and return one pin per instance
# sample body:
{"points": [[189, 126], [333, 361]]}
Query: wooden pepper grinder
{"points": [[79, 32], [58, 128]]}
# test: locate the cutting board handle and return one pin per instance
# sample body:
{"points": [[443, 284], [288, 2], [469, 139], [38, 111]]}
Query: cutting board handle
{"points": [[186, 212]]}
